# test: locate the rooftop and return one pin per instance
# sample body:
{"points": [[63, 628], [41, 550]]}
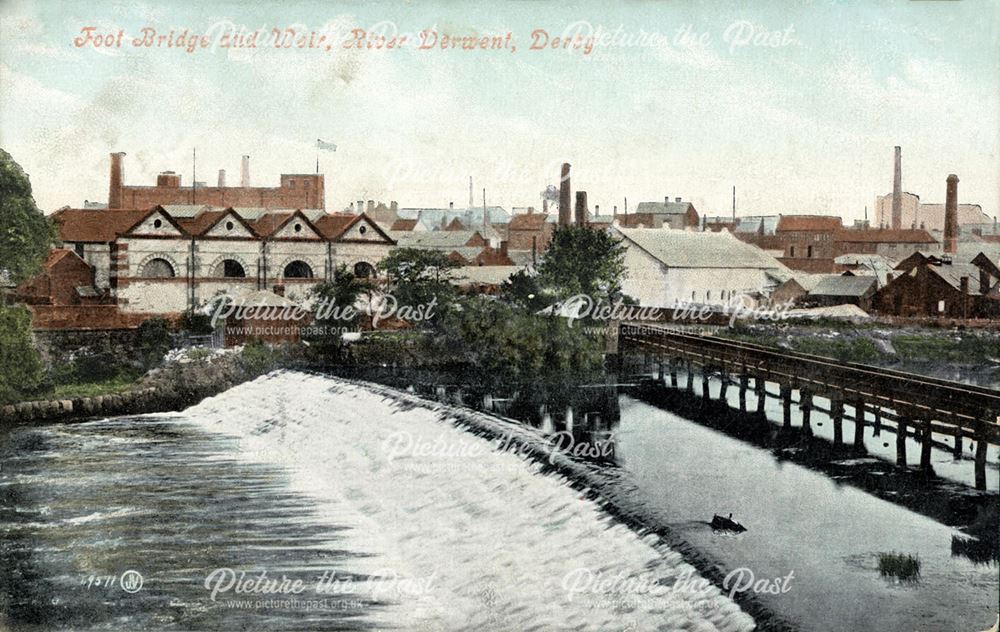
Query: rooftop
{"points": [[683, 249]]}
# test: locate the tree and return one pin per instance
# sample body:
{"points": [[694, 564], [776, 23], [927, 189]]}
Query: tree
{"points": [[584, 260], [20, 366], [335, 311], [25, 233], [25, 236], [419, 277], [523, 291]]}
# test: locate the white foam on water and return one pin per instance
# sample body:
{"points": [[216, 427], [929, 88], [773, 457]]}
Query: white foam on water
{"points": [[486, 538]]}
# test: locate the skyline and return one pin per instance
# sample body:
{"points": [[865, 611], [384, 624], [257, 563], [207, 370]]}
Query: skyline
{"points": [[807, 126]]}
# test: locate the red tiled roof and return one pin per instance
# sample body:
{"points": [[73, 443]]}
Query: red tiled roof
{"points": [[404, 224], [808, 223], [94, 225], [200, 223], [268, 223], [332, 225], [885, 235], [534, 221]]}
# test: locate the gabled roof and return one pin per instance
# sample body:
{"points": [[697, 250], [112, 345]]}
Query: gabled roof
{"points": [[162, 211], [839, 285], [661, 208], [683, 249], [95, 225], [808, 223], [953, 273], [534, 221], [210, 219], [437, 239], [271, 223]]}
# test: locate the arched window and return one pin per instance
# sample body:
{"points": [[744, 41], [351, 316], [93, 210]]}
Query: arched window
{"points": [[364, 270], [230, 269], [158, 269], [298, 270]]}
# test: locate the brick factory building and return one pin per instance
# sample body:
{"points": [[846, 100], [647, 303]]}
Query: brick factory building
{"points": [[294, 190]]}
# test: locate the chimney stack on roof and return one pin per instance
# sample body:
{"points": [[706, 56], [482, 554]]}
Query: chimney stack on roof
{"points": [[117, 180], [951, 215], [897, 191], [565, 215], [245, 172], [222, 178]]}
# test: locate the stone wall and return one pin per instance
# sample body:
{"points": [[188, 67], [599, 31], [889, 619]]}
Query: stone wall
{"points": [[57, 346]]}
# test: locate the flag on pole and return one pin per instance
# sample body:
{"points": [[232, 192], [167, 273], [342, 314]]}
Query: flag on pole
{"points": [[322, 144]]}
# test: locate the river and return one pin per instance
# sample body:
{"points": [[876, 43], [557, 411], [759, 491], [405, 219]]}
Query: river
{"points": [[419, 524]]}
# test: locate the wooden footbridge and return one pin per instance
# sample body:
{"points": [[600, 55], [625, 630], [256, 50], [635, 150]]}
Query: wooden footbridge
{"points": [[920, 406]]}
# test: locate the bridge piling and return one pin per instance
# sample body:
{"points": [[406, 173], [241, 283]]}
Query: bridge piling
{"points": [[690, 377], [659, 370], [760, 388], [981, 445], [786, 405], [725, 385], [901, 440], [877, 411], [673, 372], [859, 425], [743, 390], [705, 393], [925, 447], [837, 417], [805, 403]]}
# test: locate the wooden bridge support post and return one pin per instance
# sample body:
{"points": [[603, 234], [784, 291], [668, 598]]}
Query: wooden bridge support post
{"points": [[760, 388], [786, 405], [725, 384], [659, 371], [981, 445], [690, 377], [956, 450], [837, 416], [743, 391], [901, 439], [877, 427], [705, 393], [805, 403], [859, 425], [925, 446], [673, 373]]}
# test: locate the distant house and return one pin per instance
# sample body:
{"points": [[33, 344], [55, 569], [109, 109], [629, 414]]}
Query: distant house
{"points": [[678, 215], [531, 231], [844, 289], [931, 286], [65, 279], [894, 245], [666, 267]]}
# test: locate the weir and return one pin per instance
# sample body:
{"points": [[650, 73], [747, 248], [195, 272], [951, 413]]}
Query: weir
{"points": [[920, 405]]}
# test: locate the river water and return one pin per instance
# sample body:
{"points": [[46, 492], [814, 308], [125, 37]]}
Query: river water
{"points": [[422, 525]]}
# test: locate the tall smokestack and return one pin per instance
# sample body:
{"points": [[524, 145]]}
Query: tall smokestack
{"points": [[897, 191], [222, 178], [117, 180], [245, 172], [565, 214], [472, 201], [951, 215], [545, 205], [581, 208]]}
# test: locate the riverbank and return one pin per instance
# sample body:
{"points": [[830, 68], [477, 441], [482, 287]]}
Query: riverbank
{"points": [[965, 355], [186, 377]]}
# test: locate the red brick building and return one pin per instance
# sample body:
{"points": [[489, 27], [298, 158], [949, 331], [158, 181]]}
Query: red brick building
{"points": [[530, 230], [294, 191], [65, 279]]}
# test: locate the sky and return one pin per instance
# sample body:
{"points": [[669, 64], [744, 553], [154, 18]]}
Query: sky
{"points": [[796, 104]]}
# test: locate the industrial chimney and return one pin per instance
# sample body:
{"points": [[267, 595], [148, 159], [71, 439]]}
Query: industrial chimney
{"points": [[564, 211], [245, 172], [581, 208], [222, 178], [897, 191], [117, 180], [951, 215]]}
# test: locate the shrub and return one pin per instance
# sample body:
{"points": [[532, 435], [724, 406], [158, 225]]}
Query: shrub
{"points": [[152, 341], [900, 566]]}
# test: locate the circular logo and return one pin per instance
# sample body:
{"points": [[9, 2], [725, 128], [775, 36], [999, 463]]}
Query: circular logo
{"points": [[131, 581]]}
